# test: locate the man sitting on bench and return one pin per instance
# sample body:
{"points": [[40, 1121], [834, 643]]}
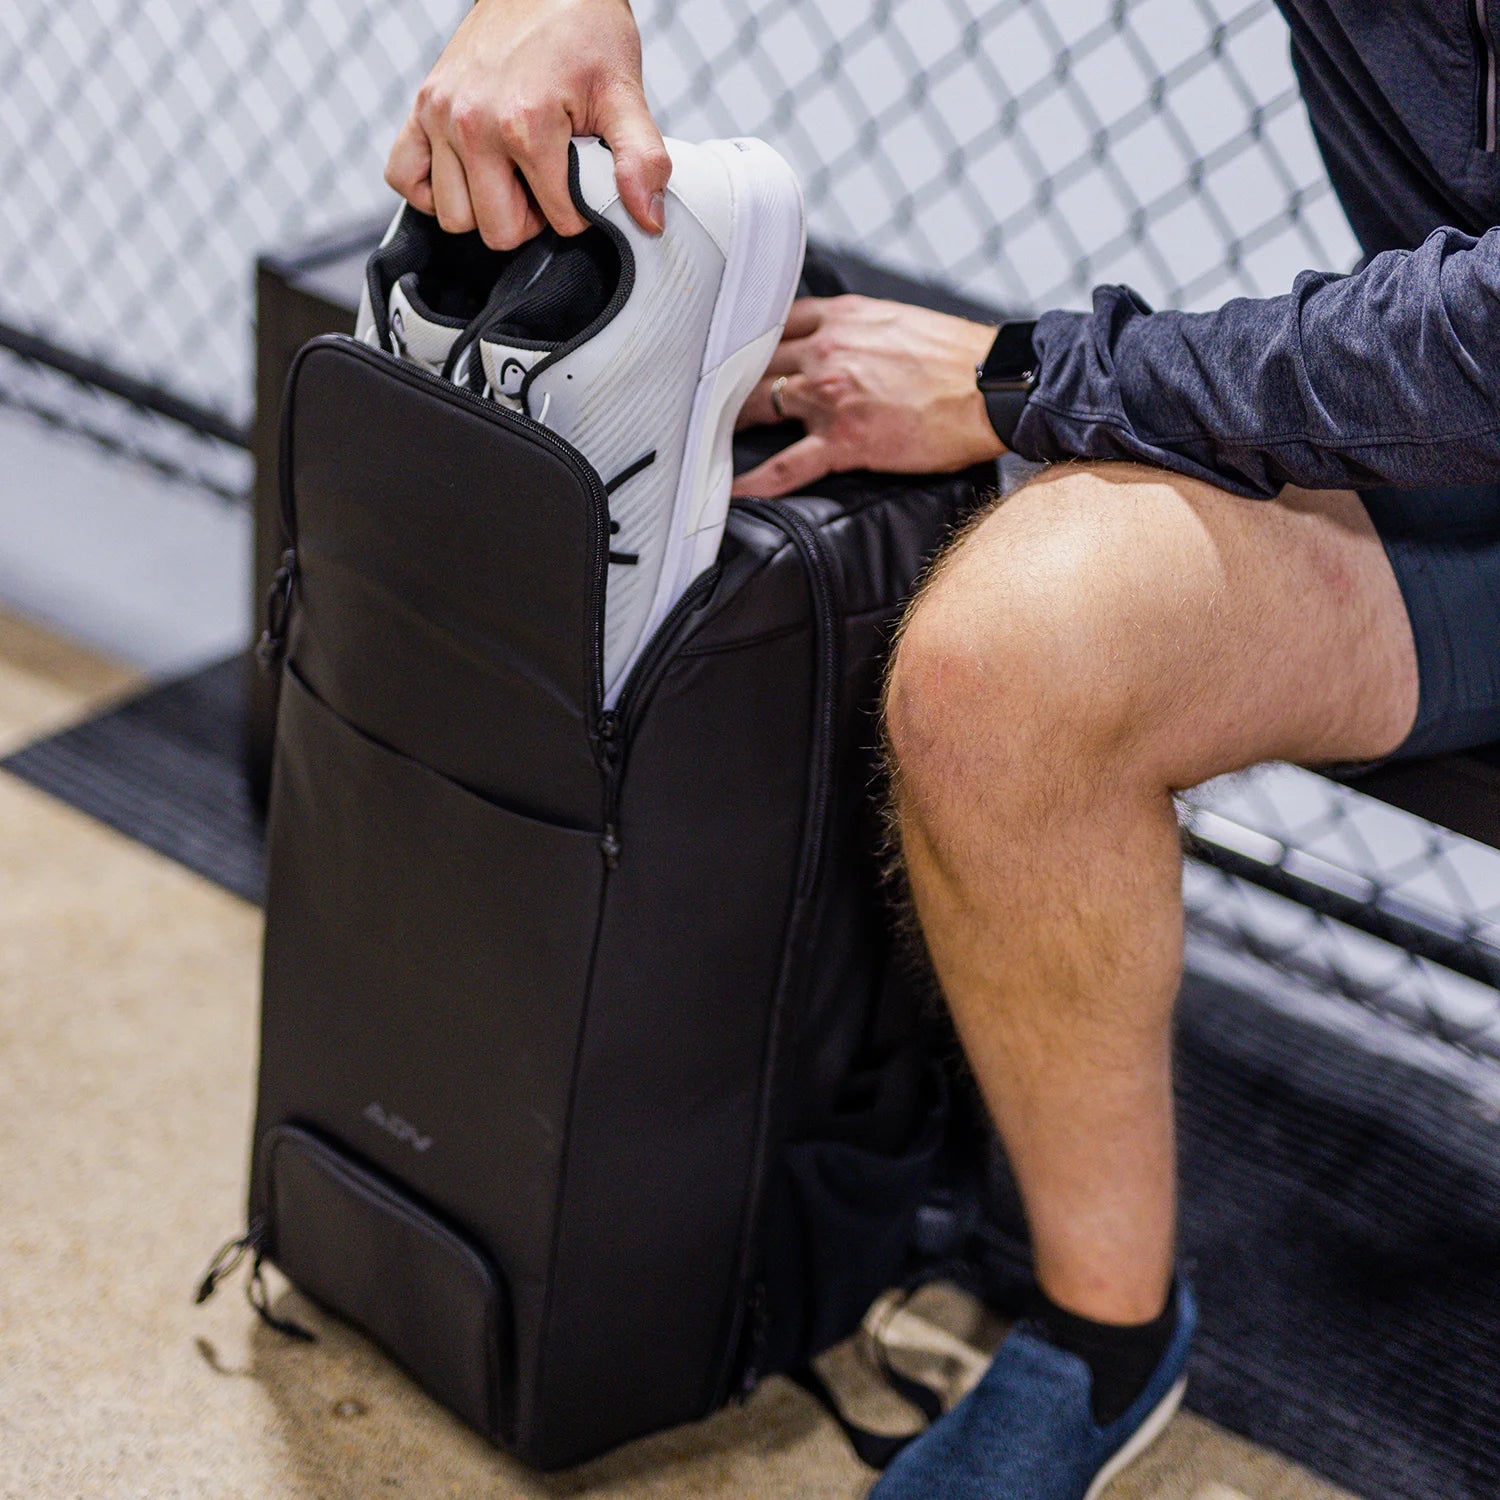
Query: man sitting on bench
{"points": [[1270, 532]]}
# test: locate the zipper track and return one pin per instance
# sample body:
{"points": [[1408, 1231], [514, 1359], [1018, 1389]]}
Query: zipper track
{"points": [[1489, 65], [749, 1292], [500, 416], [617, 724], [637, 686]]}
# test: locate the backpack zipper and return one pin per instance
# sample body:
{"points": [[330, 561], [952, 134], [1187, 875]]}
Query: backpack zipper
{"points": [[271, 647], [750, 1324], [609, 728], [1489, 65], [226, 1262], [617, 724]]}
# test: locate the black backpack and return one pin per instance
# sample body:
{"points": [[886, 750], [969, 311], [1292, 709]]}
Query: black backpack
{"points": [[593, 1086]]}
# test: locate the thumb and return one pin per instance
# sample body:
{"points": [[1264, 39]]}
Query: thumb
{"points": [[642, 165]]}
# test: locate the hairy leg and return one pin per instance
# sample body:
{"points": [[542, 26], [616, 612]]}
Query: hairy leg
{"points": [[1107, 636]]}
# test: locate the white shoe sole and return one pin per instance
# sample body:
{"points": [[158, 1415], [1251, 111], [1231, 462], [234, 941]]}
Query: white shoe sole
{"points": [[761, 269], [1143, 1437]]}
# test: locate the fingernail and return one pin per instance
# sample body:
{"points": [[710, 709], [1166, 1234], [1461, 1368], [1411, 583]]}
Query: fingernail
{"points": [[657, 211]]}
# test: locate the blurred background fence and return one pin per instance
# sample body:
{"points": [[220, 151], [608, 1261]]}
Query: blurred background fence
{"points": [[1022, 151]]}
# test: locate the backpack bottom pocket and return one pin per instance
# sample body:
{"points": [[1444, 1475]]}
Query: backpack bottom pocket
{"points": [[356, 1243]]}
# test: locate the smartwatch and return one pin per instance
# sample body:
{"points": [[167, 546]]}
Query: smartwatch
{"points": [[1008, 376]]}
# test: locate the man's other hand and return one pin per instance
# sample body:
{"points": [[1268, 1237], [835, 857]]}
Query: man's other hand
{"points": [[878, 385], [486, 144]]}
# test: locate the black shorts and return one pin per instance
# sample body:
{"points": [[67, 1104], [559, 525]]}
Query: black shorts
{"points": [[1444, 545]]}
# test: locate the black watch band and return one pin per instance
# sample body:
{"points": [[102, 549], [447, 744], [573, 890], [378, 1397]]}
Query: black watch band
{"points": [[1008, 376]]}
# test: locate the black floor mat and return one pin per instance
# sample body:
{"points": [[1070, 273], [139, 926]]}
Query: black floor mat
{"points": [[1341, 1217], [164, 768], [1341, 1209]]}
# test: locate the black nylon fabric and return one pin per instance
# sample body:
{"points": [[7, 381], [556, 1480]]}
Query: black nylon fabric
{"points": [[445, 594]]}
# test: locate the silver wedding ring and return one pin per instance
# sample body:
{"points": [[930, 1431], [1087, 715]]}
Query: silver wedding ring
{"points": [[777, 387]]}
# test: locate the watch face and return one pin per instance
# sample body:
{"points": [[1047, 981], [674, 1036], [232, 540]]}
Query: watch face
{"points": [[1012, 357]]}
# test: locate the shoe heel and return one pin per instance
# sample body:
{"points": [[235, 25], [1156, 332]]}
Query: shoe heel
{"points": [[765, 257]]}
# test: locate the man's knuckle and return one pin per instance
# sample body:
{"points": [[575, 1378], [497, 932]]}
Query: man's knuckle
{"points": [[832, 386], [533, 114], [519, 129], [495, 235], [469, 122], [433, 101]]}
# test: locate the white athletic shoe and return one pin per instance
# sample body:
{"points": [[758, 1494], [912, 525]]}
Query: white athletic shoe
{"points": [[424, 287], [640, 349]]}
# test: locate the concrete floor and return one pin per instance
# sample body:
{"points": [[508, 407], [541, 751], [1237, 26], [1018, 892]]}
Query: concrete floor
{"points": [[127, 1035]]}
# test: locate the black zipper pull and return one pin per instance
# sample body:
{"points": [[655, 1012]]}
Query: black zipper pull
{"points": [[227, 1261], [609, 846], [271, 646], [610, 750]]}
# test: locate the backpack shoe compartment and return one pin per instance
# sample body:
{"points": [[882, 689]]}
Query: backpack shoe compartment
{"points": [[556, 986]]}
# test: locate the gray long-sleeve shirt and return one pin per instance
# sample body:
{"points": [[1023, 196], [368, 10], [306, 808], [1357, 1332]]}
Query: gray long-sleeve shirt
{"points": [[1388, 376]]}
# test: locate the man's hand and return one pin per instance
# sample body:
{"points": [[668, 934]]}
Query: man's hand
{"points": [[878, 385], [486, 144]]}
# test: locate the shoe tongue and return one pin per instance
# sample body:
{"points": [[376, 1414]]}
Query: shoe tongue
{"points": [[414, 333]]}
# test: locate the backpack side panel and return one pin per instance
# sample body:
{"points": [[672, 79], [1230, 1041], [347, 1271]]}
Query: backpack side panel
{"points": [[865, 1119]]}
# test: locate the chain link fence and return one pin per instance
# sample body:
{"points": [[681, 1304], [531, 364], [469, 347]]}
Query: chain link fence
{"points": [[148, 150], [1022, 151]]}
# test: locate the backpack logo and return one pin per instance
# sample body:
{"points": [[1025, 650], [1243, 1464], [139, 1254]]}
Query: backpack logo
{"points": [[394, 1125]]}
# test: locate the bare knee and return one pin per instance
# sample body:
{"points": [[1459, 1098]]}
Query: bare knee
{"points": [[999, 677], [1012, 676]]}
